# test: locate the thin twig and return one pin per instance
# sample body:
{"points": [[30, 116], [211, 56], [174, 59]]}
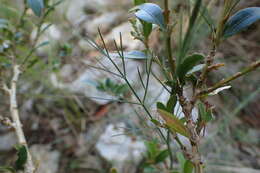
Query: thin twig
{"points": [[223, 82], [29, 167]]}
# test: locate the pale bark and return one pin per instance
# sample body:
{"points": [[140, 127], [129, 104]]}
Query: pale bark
{"points": [[29, 166]]}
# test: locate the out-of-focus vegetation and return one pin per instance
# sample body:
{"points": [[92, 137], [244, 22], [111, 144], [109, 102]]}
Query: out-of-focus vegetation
{"points": [[78, 116]]}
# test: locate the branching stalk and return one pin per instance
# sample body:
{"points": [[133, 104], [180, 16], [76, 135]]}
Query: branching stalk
{"points": [[29, 166], [223, 82], [168, 33]]}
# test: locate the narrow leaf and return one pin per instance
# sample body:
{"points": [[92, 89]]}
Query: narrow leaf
{"points": [[113, 170], [161, 106], [151, 13], [171, 103], [162, 156], [137, 55], [196, 69], [22, 157], [181, 159], [7, 169], [188, 64], [152, 149], [188, 167], [241, 20], [215, 92], [174, 123], [37, 6], [147, 29], [204, 114], [139, 2]]}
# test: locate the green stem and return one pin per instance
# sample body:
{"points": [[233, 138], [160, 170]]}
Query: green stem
{"points": [[168, 33], [169, 148], [223, 82]]}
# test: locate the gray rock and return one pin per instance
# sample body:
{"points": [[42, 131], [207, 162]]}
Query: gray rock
{"points": [[128, 42], [105, 22], [84, 83], [7, 141], [118, 148], [48, 161]]}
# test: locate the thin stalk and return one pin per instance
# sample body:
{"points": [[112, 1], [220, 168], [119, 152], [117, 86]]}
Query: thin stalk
{"points": [[169, 146], [29, 166], [148, 72], [168, 46], [223, 82], [129, 84], [167, 36]]}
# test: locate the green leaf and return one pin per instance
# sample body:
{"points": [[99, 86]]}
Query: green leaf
{"points": [[171, 103], [241, 20], [147, 29], [37, 6], [155, 122], [9, 13], [196, 69], [113, 170], [22, 157], [181, 160], [188, 64], [151, 13], [204, 114], [45, 43], [121, 89], [152, 149], [162, 156], [173, 123], [161, 106], [150, 169], [188, 167], [139, 2], [7, 169]]}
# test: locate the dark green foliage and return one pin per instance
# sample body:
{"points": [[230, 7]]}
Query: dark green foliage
{"points": [[205, 114], [112, 87], [22, 157], [161, 156], [171, 103], [188, 167], [139, 2], [6, 169], [154, 155], [188, 64]]}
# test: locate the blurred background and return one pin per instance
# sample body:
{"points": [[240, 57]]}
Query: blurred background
{"points": [[75, 123]]}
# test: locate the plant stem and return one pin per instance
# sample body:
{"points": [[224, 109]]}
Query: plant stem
{"points": [[168, 33], [29, 166], [208, 61], [170, 151], [223, 82]]}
